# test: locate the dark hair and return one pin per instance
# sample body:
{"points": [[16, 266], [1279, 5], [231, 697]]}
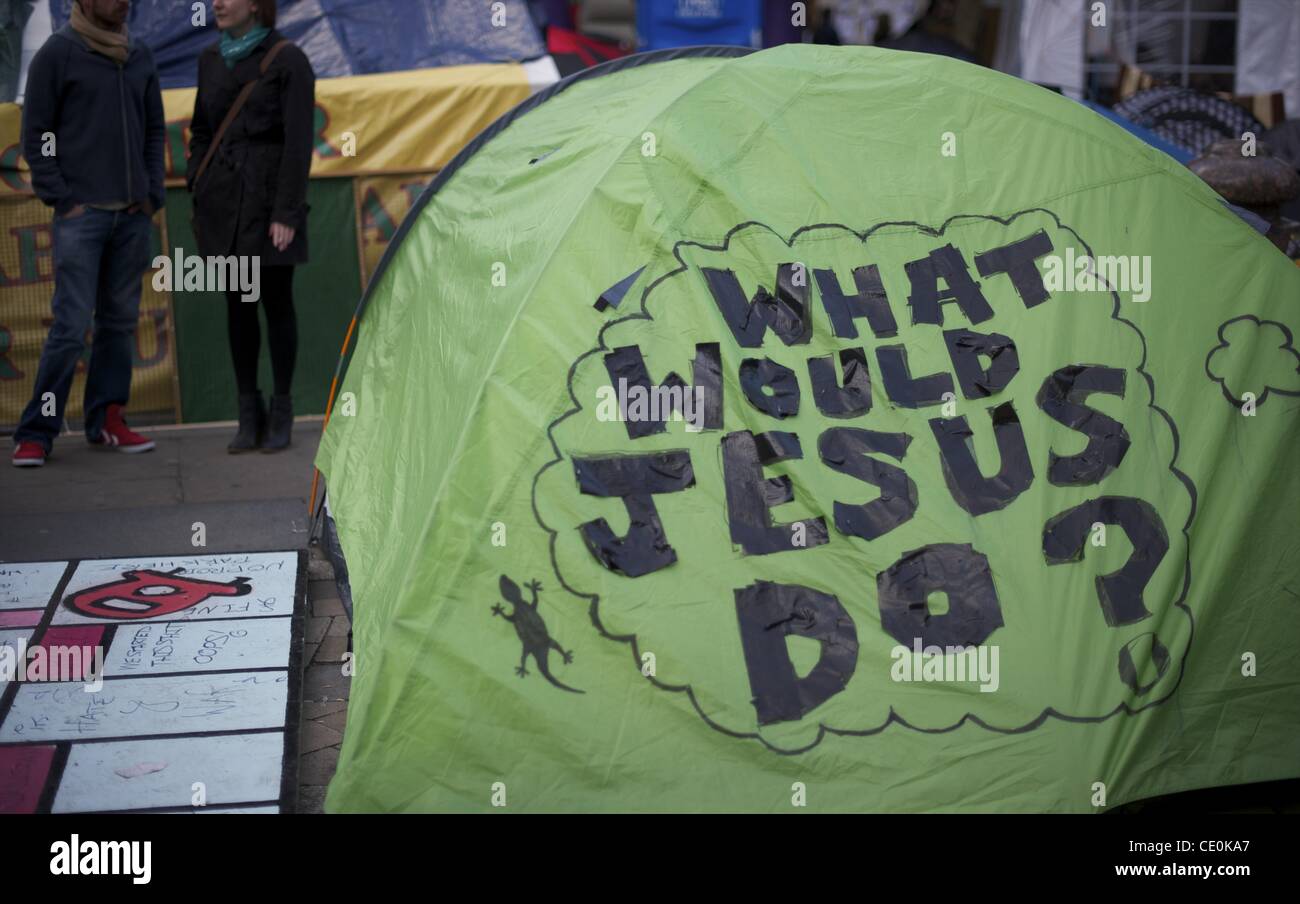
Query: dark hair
{"points": [[266, 12]]}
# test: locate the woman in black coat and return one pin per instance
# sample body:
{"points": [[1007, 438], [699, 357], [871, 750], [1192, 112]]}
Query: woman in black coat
{"points": [[250, 201]]}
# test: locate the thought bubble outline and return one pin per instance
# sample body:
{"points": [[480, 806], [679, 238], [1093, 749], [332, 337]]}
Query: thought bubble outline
{"points": [[822, 728], [1224, 343]]}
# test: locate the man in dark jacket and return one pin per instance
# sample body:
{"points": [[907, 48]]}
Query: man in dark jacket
{"points": [[93, 138]]}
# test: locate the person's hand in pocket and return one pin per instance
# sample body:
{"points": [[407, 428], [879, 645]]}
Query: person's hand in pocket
{"points": [[281, 236], [74, 211]]}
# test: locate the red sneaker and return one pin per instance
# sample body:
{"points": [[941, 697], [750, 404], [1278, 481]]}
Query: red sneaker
{"points": [[29, 455], [118, 435]]}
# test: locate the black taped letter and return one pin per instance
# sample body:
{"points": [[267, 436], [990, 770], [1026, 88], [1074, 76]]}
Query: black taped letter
{"points": [[870, 302], [851, 399], [955, 569], [787, 314], [768, 614], [1157, 655], [634, 478], [626, 363], [751, 497], [965, 349], [926, 300], [1120, 592], [758, 374], [1061, 398], [901, 387], [844, 449], [970, 489], [1017, 261]]}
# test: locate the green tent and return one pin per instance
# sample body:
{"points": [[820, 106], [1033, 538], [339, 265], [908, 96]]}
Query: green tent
{"points": [[822, 427]]}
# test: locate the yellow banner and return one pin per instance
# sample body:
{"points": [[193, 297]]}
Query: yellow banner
{"points": [[394, 122], [392, 130], [26, 287], [382, 203]]}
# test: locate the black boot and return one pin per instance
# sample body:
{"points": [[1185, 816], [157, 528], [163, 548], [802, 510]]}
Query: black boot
{"points": [[279, 426], [252, 423]]}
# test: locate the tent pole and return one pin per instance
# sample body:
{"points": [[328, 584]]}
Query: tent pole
{"points": [[312, 508]]}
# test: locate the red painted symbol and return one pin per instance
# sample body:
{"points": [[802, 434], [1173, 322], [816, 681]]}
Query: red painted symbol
{"points": [[150, 594]]}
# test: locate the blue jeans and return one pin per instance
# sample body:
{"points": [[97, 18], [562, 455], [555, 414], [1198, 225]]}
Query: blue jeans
{"points": [[99, 259]]}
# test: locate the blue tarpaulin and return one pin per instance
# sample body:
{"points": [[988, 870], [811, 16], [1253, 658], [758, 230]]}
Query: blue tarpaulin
{"points": [[346, 37], [1150, 137]]}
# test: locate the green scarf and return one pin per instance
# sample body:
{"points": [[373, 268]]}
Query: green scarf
{"points": [[235, 49]]}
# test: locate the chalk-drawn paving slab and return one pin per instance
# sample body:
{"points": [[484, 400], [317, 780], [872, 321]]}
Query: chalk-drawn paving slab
{"points": [[29, 585], [196, 684], [180, 588], [130, 707], [162, 772], [159, 648]]}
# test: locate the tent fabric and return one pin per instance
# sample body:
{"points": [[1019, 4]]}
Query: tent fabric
{"points": [[893, 406], [348, 37], [471, 148]]}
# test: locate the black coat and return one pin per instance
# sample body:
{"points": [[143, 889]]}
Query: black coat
{"points": [[258, 175], [109, 123]]}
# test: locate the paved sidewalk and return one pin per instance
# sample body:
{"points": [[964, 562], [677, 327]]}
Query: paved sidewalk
{"points": [[90, 502], [324, 689]]}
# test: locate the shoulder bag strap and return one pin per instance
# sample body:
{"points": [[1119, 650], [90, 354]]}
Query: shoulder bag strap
{"points": [[235, 108]]}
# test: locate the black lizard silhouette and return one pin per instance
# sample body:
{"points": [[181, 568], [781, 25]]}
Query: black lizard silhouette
{"points": [[532, 632]]}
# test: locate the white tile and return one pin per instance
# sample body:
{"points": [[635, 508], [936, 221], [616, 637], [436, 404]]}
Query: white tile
{"points": [[267, 588], [29, 585], [130, 707], [161, 648], [133, 775]]}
